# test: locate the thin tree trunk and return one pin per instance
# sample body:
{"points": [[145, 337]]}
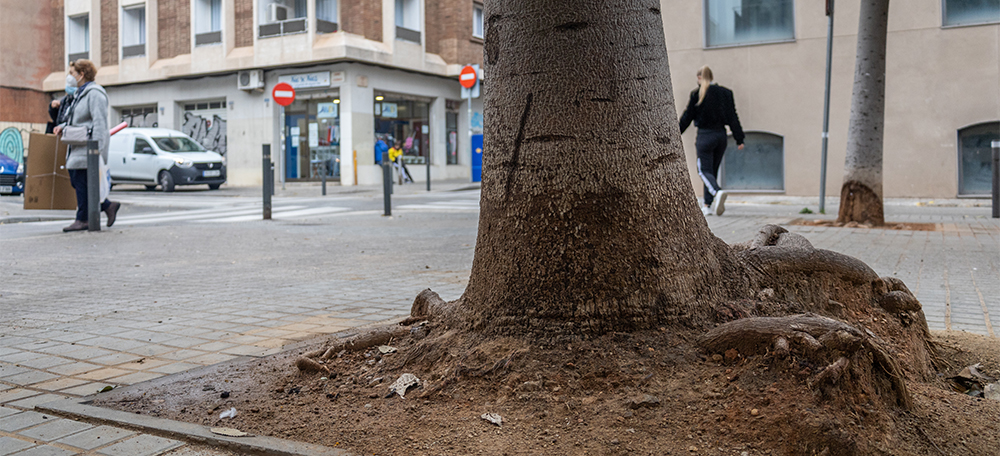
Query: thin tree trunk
{"points": [[861, 193], [588, 221]]}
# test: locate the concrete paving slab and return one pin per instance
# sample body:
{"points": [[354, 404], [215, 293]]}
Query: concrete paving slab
{"points": [[30, 402], [55, 430], [10, 445], [46, 450], [141, 445], [96, 437], [22, 420]]}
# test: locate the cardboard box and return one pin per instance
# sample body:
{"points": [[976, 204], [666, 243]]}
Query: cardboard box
{"points": [[47, 184]]}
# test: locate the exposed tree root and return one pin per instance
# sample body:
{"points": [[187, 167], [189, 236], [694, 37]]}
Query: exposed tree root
{"points": [[425, 304], [815, 337]]}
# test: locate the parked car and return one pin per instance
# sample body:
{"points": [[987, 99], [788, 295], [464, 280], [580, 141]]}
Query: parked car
{"points": [[164, 157], [11, 176]]}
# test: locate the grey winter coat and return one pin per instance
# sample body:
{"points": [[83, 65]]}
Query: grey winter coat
{"points": [[90, 109]]}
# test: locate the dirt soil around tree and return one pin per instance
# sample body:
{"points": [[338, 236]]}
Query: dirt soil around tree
{"points": [[650, 392]]}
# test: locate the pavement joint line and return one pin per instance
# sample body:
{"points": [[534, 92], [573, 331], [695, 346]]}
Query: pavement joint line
{"points": [[982, 303]]}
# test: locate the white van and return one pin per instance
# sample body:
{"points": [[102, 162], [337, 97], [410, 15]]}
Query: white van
{"points": [[164, 157]]}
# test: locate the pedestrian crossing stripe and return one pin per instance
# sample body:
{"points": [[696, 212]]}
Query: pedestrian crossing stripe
{"points": [[466, 205]]}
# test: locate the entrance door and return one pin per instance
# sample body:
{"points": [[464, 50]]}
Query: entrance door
{"points": [[312, 139], [477, 158], [293, 144]]}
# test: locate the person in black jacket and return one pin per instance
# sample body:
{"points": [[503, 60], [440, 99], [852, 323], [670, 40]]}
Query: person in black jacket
{"points": [[711, 107], [59, 109]]}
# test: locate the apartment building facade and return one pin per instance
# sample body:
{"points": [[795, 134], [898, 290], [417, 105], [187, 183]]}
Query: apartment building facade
{"points": [[360, 69], [942, 90]]}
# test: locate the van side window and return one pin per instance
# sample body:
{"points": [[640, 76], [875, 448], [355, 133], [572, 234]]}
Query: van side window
{"points": [[141, 144]]}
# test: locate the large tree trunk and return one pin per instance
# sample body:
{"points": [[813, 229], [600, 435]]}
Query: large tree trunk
{"points": [[589, 222], [861, 193]]}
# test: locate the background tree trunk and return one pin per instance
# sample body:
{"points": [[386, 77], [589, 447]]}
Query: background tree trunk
{"points": [[861, 193], [588, 220]]}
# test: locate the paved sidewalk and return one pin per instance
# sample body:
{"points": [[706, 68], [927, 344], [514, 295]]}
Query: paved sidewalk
{"points": [[88, 310]]}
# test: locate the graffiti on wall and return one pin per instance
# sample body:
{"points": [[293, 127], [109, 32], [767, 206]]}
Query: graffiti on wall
{"points": [[211, 134], [12, 145], [140, 117]]}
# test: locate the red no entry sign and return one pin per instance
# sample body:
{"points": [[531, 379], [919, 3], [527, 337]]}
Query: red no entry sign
{"points": [[283, 94], [467, 77]]}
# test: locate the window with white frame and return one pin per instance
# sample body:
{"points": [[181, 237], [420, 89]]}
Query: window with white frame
{"points": [[760, 166], [477, 20], [78, 37], [408, 20], [741, 22], [326, 16], [970, 12], [282, 17], [208, 22], [134, 31], [975, 170]]}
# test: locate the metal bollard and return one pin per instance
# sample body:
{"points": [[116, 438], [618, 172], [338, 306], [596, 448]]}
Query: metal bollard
{"points": [[268, 189], [386, 185], [322, 170], [93, 186], [428, 171], [996, 179]]}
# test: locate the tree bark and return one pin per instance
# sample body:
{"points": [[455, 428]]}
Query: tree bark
{"points": [[861, 193], [588, 220]]}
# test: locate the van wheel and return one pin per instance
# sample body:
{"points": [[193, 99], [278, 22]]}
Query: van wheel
{"points": [[166, 181], [213, 186]]}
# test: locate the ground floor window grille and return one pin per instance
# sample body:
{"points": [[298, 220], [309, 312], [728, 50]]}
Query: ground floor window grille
{"points": [[760, 166], [975, 172]]}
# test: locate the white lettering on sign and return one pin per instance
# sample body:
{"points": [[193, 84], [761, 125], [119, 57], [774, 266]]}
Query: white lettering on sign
{"points": [[310, 80]]}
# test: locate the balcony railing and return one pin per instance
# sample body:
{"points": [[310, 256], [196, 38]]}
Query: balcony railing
{"points": [[78, 55], [325, 26], [297, 25], [406, 34], [208, 38], [134, 50]]}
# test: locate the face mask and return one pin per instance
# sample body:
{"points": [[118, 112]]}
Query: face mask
{"points": [[70, 90]]}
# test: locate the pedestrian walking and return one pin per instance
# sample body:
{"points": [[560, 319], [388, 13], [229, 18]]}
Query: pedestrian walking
{"points": [[380, 148], [712, 108], [89, 110], [58, 109]]}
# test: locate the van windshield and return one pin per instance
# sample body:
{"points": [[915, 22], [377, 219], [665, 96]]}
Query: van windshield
{"points": [[178, 144]]}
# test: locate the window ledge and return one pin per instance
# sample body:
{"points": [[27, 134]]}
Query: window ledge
{"points": [[476, 39], [971, 24], [758, 43]]}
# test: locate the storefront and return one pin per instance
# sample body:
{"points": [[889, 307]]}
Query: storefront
{"points": [[404, 119], [312, 127]]}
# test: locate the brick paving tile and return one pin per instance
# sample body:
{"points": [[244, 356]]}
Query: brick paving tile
{"points": [[174, 367]]}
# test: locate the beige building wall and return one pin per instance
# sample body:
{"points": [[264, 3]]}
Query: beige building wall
{"points": [[938, 80]]}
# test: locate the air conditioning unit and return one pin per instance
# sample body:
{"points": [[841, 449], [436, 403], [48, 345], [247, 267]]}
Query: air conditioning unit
{"points": [[277, 12], [250, 80]]}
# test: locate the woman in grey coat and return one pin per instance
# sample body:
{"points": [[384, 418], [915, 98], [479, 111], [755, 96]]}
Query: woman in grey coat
{"points": [[90, 109]]}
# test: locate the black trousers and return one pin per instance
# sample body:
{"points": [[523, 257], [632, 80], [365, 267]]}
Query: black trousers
{"points": [[78, 177], [711, 145]]}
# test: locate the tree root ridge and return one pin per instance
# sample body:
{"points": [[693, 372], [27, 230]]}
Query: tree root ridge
{"points": [[774, 252], [425, 306], [824, 341]]}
